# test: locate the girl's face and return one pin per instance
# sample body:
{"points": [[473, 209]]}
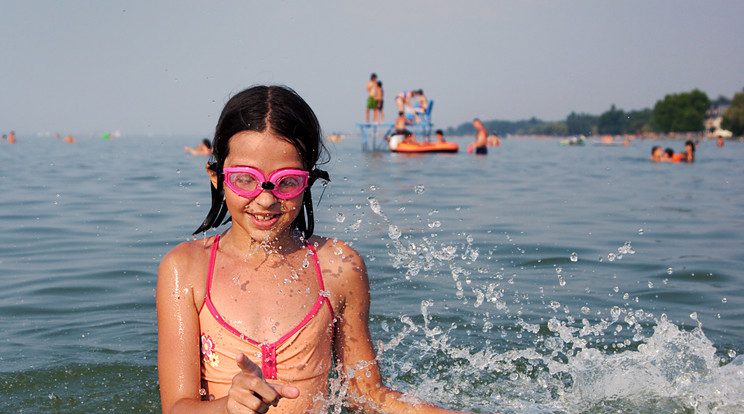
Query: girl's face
{"points": [[264, 217]]}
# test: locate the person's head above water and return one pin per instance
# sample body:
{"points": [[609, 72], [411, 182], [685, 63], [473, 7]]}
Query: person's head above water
{"points": [[690, 145], [282, 112]]}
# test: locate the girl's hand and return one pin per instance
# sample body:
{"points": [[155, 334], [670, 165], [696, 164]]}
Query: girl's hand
{"points": [[250, 393]]}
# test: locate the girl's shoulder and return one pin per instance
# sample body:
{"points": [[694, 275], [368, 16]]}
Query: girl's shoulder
{"points": [[334, 249], [188, 261], [338, 260]]}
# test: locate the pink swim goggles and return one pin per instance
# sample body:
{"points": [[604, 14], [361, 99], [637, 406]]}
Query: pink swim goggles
{"points": [[249, 182]]}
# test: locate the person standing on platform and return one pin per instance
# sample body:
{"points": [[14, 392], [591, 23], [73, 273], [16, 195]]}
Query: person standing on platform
{"points": [[371, 89], [378, 115]]}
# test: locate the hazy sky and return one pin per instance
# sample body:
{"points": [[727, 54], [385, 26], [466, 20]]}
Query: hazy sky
{"points": [[167, 67]]}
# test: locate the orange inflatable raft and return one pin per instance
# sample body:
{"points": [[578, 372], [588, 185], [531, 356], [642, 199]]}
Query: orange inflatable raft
{"points": [[423, 147]]}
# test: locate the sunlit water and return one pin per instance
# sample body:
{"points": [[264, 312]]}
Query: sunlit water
{"points": [[537, 279]]}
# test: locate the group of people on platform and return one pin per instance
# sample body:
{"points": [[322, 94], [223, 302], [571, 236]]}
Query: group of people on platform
{"points": [[668, 155], [411, 103]]}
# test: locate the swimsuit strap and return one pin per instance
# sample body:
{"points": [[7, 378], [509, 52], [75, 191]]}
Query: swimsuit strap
{"points": [[212, 258], [321, 286]]}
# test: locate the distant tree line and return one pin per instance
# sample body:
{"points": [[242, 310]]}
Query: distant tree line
{"points": [[733, 118], [682, 112]]}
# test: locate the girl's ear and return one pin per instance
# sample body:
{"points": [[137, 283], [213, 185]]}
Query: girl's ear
{"points": [[212, 175]]}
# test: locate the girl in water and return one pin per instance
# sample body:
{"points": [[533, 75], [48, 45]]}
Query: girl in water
{"points": [[253, 318]]}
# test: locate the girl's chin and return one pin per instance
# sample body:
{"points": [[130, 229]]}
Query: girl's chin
{"points": [[269, 235]]}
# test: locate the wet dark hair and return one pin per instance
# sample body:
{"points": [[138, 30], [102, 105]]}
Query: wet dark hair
{"points": [[207, 143], [691, 144], [654, 148], [439, 131], [669, 152], [283, 112]]}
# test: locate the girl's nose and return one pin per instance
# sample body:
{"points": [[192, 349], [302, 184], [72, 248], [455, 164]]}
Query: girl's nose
{"points": [[266, 199]]}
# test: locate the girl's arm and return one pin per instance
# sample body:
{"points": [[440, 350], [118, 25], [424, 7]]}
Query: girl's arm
{"points": [[179, 369], [353, 345]]}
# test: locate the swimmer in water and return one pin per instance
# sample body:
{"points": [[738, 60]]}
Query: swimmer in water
{"points": [[205, 148], [252, 319], [656, 153], [689, 154], [479, 146]]}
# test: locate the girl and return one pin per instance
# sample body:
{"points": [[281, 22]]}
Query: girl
{"points": [[251, 318]]}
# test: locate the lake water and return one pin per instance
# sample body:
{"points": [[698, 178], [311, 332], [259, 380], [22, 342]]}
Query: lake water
{"points": [[537, 279]]}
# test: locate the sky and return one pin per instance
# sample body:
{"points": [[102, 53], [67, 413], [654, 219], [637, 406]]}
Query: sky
{"points": [[168, 67]]}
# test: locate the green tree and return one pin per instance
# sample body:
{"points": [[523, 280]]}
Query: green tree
{"points": [[683, 112], [733, 118], [641, 121], [612, 122], [581, 124]]}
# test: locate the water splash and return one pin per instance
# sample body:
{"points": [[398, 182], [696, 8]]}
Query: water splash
{"points": [[591, 359]]}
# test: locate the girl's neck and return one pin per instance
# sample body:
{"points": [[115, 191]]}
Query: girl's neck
{"points": [[243, 244]]}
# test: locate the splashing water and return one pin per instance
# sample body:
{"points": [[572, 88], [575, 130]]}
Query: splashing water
{"points": [[621, 359]]}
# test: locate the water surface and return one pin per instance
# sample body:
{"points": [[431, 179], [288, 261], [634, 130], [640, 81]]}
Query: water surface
{"points": [[539, 278]]}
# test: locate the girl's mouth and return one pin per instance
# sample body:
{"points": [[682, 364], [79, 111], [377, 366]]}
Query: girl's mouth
{"points": [[264, 220]]}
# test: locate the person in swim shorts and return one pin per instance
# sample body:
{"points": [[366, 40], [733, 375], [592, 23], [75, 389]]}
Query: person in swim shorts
{"points": [[252, 319], [371, 90], [479, 147], [378, 115]]}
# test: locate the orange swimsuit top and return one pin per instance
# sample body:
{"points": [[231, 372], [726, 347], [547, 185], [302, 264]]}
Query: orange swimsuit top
{"points": [[302, 357]]}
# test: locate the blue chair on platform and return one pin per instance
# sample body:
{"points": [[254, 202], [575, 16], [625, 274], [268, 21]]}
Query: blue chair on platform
{"points": [[425, 117], [424, 126]]}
